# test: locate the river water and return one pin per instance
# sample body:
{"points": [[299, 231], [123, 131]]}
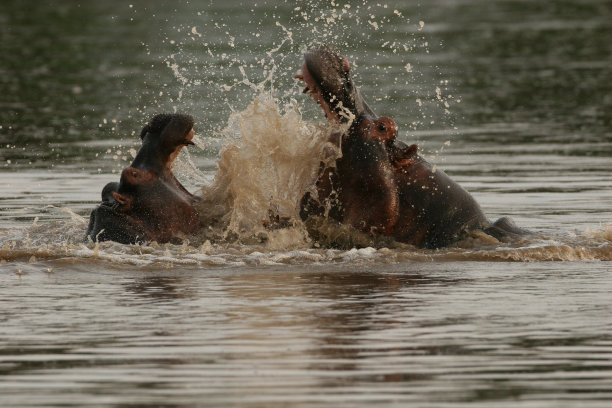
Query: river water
{"points": [[511, 98]]}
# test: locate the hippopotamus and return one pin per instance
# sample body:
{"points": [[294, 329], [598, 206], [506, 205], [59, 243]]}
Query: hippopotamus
{"points": [[149, 203], [380, 185]]}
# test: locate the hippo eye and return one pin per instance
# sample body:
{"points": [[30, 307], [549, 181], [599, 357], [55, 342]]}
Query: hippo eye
{"points": [[382, 127]]}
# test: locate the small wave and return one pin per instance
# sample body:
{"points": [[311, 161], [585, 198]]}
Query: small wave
{"points": [[63, 240]]}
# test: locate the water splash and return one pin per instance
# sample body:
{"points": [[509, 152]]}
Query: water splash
{"points": [[270, 159]]}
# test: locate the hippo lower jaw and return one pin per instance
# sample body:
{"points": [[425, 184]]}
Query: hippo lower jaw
{"points": [[106, 224], [156, 211]]}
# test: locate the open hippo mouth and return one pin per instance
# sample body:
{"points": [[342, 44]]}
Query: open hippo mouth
{"points": [[162, 140], [328, 81], [149, 203]]}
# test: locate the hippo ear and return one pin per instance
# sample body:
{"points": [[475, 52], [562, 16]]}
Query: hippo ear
{"points": [[125, 202]]}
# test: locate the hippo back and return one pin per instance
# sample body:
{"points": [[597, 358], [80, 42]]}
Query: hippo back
{"points": [[434, 210]]}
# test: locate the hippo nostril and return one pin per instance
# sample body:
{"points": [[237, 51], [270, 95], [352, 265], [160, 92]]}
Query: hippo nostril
{"points": [[135, 174], [382, 127]]}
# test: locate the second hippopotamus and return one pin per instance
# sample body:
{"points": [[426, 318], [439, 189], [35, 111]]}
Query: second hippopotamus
{"points": [[380, 185]]}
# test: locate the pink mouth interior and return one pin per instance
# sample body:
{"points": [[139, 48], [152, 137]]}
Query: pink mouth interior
{"points": [[315, 92], [176, 151]]}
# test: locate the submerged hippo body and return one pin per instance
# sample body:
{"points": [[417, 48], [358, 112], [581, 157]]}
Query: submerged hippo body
{"points": [[380, 185], [149, 203]]}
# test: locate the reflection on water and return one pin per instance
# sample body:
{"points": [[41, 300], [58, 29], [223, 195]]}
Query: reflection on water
{"points": [[520, 90], [427, 334]]}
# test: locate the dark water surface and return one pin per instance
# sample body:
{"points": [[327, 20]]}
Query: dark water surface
{"points": [[512, 98]]}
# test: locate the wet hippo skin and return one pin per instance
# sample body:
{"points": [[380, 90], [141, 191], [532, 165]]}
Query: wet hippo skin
{"points": [[381, 185], [149, 203]]}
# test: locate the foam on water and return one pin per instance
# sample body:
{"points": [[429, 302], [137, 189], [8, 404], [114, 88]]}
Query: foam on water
{"points": [[27, 248]]}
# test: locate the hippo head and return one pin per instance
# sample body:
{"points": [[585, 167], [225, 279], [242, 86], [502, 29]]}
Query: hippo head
{"points": [[327, 75], [360, 189], [149, 203]]}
